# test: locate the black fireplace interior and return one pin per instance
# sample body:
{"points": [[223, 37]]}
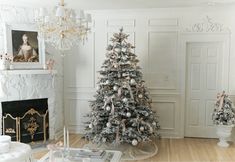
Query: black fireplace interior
{"points": [[17, 109]]}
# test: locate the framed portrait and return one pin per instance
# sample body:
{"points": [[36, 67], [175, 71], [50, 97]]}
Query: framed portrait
{"points": [[25, 46]]}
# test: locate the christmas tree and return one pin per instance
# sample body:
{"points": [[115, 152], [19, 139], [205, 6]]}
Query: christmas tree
{"points": [[224, 112], [121, 111]]}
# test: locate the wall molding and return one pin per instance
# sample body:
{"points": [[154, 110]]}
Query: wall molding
{"points": [[207, 26], [163, 22]]}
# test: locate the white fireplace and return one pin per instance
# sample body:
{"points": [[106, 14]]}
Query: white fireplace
{"points": [[30, 84]]}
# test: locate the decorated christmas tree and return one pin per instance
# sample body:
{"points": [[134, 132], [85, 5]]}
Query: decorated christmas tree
{"points": [[121, 111], [224, 113]]}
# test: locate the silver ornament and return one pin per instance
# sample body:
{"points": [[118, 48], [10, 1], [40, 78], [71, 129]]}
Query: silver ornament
{"points": [[132, 81], [140, 96], [154, 123], [115, 66], [115, 88], [107, 82], [128, 114], [124, 58], [141, 128], [108, 108], [108, 124], [90, 126], [124, 99], [134, 142]]}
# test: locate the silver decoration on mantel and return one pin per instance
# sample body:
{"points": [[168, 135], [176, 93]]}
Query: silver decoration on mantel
{"points": [[207, 26]]}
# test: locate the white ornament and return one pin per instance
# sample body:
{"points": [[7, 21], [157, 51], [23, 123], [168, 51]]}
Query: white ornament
{"points": [[147, 114], [124, 86], [140, 96], [104, 140], [132, 81], [124, 58], [124, 74], [107, 82], [108, 108], [98, 87], [90, 126], [154, 123], [128, 114], [95, 123], [117, 49], [124, 99], [134, 142], [141, 128], [115, 88], [108, 124], [115, 66]]}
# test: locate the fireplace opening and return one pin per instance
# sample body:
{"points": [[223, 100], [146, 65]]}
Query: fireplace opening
{"points": [[26, 120]]}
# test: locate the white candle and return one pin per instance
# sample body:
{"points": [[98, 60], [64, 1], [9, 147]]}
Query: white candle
{"points": [[64, 136], [67, 138]]}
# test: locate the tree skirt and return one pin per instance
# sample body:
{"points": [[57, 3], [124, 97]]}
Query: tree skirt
{"points": [[140, 152]]}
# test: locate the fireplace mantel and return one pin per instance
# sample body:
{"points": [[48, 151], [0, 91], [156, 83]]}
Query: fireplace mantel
{"points": [[28, 72], [30, 84]]}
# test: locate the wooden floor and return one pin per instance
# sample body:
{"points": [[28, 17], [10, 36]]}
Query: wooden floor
{"points": [[178, 150]]}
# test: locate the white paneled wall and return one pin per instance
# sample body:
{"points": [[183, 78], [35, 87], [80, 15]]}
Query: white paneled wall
{"points": [[158, 35]]}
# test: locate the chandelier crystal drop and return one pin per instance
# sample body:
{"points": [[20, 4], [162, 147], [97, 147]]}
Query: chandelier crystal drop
{"points": [[63, 28]]}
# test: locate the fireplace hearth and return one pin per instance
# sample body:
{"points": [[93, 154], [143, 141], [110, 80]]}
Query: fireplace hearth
{"points": [[26, 120]]}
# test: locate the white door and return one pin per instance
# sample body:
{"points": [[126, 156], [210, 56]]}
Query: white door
{"points": [[204, 79]]}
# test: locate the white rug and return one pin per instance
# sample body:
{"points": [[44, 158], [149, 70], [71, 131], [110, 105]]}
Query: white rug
{"points": [[140, 152]]}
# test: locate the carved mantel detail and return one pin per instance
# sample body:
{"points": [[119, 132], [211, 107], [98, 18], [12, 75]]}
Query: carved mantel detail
{"points": [[207, 26]]}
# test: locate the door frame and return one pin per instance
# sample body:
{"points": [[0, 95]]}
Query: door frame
{"points": [[188, 37]]}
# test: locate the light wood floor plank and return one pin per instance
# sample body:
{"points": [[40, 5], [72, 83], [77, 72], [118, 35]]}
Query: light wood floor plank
{"points": [[177, 150]]}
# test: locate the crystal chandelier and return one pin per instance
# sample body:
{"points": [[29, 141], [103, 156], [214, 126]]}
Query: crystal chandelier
{"points": [[63, 28]]}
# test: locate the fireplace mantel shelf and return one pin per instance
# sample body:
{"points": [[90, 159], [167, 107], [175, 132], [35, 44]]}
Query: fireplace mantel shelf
{"points": [[28, 72]]}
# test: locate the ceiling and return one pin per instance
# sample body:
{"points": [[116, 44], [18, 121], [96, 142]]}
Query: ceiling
{"points": [[119, 4]]}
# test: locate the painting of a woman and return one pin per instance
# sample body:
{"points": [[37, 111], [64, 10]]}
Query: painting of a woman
{"points": [[23, 49]]}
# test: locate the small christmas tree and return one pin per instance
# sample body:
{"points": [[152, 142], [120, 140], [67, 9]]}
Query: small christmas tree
{"points": [[121, 111], [224, 112]]}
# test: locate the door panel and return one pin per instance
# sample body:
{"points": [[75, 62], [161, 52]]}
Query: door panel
{"points": [[204, 77]]}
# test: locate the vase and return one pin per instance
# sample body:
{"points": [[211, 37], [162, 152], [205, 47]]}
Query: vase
{"points": [[224, 132]]}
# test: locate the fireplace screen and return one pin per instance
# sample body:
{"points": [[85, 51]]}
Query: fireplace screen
{"points": [[28, 124]]}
